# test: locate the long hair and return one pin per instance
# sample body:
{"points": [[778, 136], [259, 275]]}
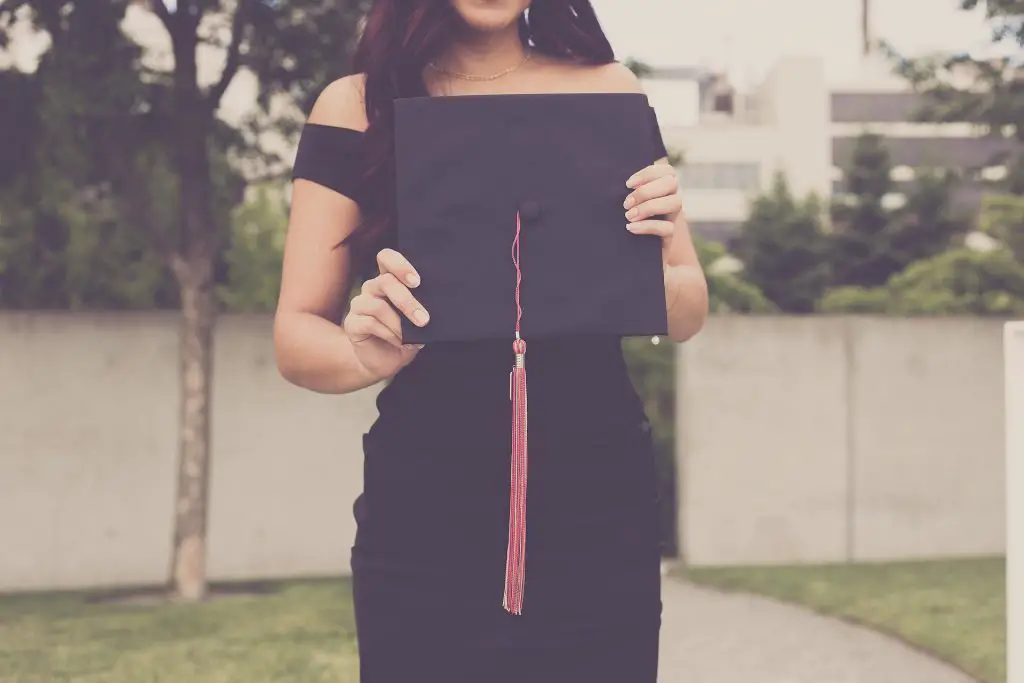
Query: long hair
{"points": [[400, 37]]}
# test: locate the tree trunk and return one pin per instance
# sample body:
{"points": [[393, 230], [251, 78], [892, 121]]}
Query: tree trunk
{"points": [[193, 267], [191, 502]]}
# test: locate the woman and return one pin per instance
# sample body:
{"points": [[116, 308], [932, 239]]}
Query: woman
{"points": [[428, 562]]}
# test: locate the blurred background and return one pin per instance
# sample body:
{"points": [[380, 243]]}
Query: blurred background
{"points": [[833, 445]]}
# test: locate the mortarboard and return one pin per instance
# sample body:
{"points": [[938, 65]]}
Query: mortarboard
{"points": [[510, 207]]}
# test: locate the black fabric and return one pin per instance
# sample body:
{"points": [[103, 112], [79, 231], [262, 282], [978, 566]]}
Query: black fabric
{"points": [[429, 559], [467, 165], [432, 520], [332, 157], [659, 141]]}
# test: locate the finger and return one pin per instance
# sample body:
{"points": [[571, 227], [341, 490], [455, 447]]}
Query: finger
{"points": [[646, 175], [390, 261], [652, 227], [362, 327], [659, 187], [662, 206], [409, 352], [380, 309], [388, 286]]}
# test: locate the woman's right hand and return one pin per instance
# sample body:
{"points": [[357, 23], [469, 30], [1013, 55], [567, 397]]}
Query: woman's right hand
{"points": [[373, 323]]}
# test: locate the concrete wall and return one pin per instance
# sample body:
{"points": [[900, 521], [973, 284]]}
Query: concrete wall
{"points": [[800, 439], [830, 439], [88, 419]]}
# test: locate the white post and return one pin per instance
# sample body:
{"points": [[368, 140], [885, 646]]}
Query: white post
{"points": [[1013, 358]]}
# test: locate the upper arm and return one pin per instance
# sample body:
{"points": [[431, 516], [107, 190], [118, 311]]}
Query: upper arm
{"points": [[317, 274]]}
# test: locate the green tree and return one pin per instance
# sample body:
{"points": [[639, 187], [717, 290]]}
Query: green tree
{"points": [[861, 251], [168, 119], [68, 241], [254, 257], [728, 292], [871, 242], [784, 249], [992, 94], [928, 224], [986, 92], [1002, 217], [956, 282]]}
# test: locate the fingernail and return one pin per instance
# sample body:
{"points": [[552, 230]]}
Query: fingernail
{"points": [[631, 182], [412, 279], [420, 346], [420, 317], [629, 226], [628, 204], [631, 214]]}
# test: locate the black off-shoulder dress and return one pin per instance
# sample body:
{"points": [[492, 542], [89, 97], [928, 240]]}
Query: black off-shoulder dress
{"points": [[429, 558]]}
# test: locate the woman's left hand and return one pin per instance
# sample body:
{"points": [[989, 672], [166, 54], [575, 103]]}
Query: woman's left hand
{"points": [[654, 205]]}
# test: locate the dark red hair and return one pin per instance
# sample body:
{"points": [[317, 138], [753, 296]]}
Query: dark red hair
{"points": [[399, 39]]}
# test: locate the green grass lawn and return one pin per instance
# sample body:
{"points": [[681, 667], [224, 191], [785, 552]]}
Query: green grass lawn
{"points": [[298, 632], [955, 609]]}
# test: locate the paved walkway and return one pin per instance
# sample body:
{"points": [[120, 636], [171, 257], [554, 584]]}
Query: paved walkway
{"points": [[713, 637]]}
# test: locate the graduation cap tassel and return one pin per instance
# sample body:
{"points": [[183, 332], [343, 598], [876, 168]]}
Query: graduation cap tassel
{"points": [[515, 561]]}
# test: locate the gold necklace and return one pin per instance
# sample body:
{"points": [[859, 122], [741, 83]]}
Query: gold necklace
{"points": [[470, 77]]}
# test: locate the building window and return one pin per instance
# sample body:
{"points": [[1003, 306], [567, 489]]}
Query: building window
{"points": [[697, 176]]}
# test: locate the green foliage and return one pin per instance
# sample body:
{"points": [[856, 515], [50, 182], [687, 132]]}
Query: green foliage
{"points": [[855, 301], [956, 282], [784, 249], [870, 243], [1002, 217], [261, 632], [1007, 17], [860, 252], [69, 237], [992, 95], [91, 188], [727, 291], [254, 257], [927, 224], [961, 282]]}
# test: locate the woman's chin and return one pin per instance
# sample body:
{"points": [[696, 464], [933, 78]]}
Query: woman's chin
{"points": [[490, 16]]}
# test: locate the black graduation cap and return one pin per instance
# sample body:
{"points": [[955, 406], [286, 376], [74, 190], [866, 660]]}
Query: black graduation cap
{"points": [[510, 207], [469, 166]]}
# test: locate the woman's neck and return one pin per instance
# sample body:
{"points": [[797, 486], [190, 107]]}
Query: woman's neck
{"points": [[484, 54]]}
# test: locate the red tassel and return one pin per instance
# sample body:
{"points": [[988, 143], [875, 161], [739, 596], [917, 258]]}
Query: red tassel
{"points": [[515, 560]]}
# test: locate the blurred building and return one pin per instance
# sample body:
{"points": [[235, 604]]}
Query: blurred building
{"points": [[879, 102], [732, 143]]}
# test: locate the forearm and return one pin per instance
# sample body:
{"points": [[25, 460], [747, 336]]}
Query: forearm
{"points": [[686, 300], [316, 354]]}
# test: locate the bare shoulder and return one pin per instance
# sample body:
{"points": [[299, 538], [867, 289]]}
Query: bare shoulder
{"points": [[612, 77], [342, 104]]}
